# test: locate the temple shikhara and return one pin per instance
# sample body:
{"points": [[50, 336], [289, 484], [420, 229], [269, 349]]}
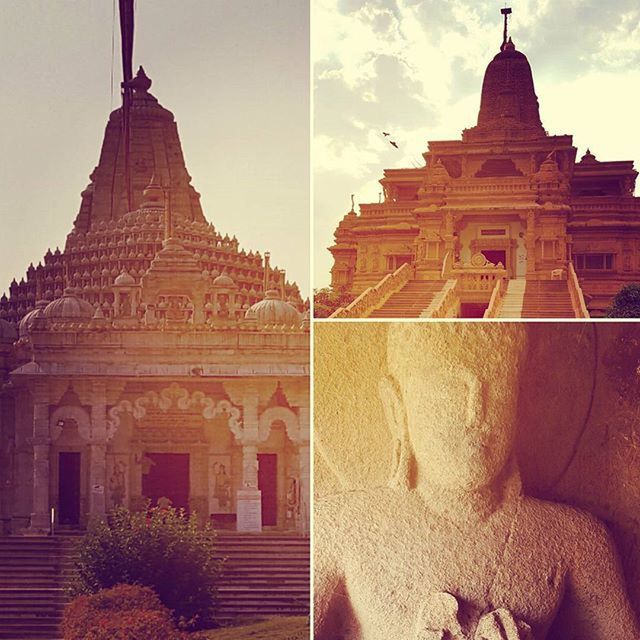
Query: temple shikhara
{"points": [[152, 360], [505, 222]]}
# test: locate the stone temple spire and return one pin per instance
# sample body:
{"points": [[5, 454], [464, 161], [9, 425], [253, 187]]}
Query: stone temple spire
{"points": [[155, 149], [509, 105]]}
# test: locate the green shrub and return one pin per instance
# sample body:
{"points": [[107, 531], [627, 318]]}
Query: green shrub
{"points": [[165, 550], [626, 303], [326, 301], [124, 612]]}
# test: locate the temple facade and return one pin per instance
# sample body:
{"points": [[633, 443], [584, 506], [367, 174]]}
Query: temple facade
{"points": [[504, 222], [152, 362]]}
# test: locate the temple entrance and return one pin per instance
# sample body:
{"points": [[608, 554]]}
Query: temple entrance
{"points": [[166, 475], [473, 309], [268, 485], [495, 256], [69, 488]]}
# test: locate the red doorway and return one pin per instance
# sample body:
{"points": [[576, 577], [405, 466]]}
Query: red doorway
{"points": [[496, 255], [167, 475], [69, 488], [473, 309], [268, 485]]}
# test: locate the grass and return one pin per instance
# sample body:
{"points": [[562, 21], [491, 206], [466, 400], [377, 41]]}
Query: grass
{"points": [[277, 628]]}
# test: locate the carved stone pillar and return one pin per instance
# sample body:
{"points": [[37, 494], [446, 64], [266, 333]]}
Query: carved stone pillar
{"points": [[249, 498], [305, 468], [40, 517], [97, 479], [250, 467], [41, 442], [98, 447], [305, 486], [530, 242]]}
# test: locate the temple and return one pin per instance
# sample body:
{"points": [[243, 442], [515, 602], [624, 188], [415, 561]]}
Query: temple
{"points": [[502, 223], [152, 361]]}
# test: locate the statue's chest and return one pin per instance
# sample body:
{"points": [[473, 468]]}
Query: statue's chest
{"points": [[393, 577]]}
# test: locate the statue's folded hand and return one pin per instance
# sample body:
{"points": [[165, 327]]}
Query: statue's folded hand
{"points": [[441, 619]]}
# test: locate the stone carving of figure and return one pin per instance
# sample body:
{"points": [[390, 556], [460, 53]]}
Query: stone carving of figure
{"points": [[452, 549], [222, 487], [117, 484]]}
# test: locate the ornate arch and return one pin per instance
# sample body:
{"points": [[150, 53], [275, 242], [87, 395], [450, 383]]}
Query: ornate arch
{"points": [[70, 412], [175, 395], [270, 415]]}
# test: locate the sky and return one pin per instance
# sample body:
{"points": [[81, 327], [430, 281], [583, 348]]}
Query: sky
{"points": [[235, 73], [415, 67]]}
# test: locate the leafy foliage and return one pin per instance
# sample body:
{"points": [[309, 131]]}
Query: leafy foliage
{"points": [[162, 549], [124, 612], [276, 628], [326, 301], [626, 303]]}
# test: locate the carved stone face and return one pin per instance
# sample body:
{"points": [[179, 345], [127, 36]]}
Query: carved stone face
{"points": [[459, 392]]}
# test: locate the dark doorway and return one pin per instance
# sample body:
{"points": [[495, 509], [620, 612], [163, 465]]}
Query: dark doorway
{"points": [[268, 485], [495, 255], [69, 488], [166, 475], [473, 309]]}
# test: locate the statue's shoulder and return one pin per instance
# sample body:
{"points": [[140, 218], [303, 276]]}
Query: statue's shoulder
{"points": [[574, 529], [346, 510]]}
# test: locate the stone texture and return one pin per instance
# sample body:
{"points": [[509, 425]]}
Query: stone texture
{"points": [[386, 546]]}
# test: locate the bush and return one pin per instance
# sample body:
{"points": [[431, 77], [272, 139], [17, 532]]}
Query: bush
{"points": [[326, 301], [626, 303], [124, 612], [164, 550]]}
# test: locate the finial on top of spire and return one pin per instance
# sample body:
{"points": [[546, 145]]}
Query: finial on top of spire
{"points": [[505, 12], [352, 202], [141, 82]]}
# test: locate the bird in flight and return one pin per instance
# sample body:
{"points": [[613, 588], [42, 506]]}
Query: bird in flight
{"points": [[385, 134], [391, 142]]}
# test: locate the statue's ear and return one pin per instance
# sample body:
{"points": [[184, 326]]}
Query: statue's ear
{"points": [[396, 416]]}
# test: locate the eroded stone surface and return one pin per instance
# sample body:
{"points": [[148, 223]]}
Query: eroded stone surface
{"points": [[454, 519]]}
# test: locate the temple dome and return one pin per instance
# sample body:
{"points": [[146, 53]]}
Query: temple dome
{"points": [[273, 310], [69, 308], [223, 280], [508, 102], [27, 321], [125, 279]]}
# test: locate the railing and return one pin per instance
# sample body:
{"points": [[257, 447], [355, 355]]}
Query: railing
{"points": [[497, 296], [374, 297], [575, 291], [445, 303], [477, 278]]}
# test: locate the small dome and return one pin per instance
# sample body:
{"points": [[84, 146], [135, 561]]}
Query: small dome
{"points": [[8, 332], [68, 308], [273, 310], [223, 280], [124, 279], [27, 321]]}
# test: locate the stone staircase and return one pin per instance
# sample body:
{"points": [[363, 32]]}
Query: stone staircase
{"points": [[410, 301], [263, 575], [34, 576], [511, 305], [547, 299]]}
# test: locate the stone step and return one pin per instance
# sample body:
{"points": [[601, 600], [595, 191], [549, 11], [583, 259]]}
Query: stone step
{"points": [[410, 301]]}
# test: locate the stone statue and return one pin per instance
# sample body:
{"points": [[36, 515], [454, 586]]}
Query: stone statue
{"points": [[452, 549]]}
